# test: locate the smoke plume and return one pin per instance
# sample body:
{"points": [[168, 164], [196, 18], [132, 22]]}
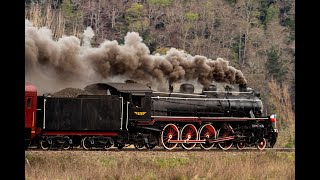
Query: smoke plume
{"points": [[72, 62]]}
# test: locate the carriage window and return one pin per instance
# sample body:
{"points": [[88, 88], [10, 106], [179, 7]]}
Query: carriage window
{"points": [[29, 103]]}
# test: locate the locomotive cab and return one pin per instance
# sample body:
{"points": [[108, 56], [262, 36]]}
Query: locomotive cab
{"points": [[140, 106]]}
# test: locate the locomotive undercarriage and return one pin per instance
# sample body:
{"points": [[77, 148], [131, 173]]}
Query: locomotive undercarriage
{"points": [[206, 136], [139, 140], [55, 142], [145, 140], [171, 135], [85, 142], [90, 142]]}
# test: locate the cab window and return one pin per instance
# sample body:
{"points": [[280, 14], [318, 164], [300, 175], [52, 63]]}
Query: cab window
{"points": [[136, 100]]}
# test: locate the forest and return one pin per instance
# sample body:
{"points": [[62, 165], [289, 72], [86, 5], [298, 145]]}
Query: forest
{"points": [[256, 37]]}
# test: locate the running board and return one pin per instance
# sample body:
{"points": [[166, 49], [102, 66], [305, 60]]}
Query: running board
{"points": [[149, 128], [202, 141]]}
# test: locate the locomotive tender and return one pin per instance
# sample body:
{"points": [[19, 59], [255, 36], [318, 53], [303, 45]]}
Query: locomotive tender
{"points": [[120, 114]]}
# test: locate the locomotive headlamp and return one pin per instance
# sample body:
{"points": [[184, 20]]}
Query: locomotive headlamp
{"points": [[273, 121]]}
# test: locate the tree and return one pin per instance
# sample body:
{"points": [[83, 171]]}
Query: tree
{"points": [[248, 18], [73, 17], [43, 14], [135, 18], [275, 67]]}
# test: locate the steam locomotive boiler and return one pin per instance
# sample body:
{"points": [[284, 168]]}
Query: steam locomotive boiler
{"points": [[210, 103], [120, 114]]}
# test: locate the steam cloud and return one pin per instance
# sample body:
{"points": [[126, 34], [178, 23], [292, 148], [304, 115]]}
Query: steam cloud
{"points": [[71, 61]]}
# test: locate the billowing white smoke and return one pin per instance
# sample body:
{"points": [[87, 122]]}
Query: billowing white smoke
{"points": [[71, 62]]}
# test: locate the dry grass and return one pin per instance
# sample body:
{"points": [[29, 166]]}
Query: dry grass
{"points": [[280, 99], [147, 165]]}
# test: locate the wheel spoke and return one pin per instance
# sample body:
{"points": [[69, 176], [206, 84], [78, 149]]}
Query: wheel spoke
{"points": [[205, 131], [240, 145], [262, 144], [224, 132], [169, 130], [188, 130]]}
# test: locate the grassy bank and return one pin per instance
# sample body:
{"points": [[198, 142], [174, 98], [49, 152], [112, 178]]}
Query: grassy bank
{"points": [[159, 165]]}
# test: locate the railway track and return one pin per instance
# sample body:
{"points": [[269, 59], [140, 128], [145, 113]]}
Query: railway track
{"points": [[159, 149]]}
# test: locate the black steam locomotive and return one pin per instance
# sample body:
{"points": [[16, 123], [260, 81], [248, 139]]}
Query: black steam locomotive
{"points": [[121, 114]]}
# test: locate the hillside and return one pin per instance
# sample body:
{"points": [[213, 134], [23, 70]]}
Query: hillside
{"points": [[254, 37]]}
